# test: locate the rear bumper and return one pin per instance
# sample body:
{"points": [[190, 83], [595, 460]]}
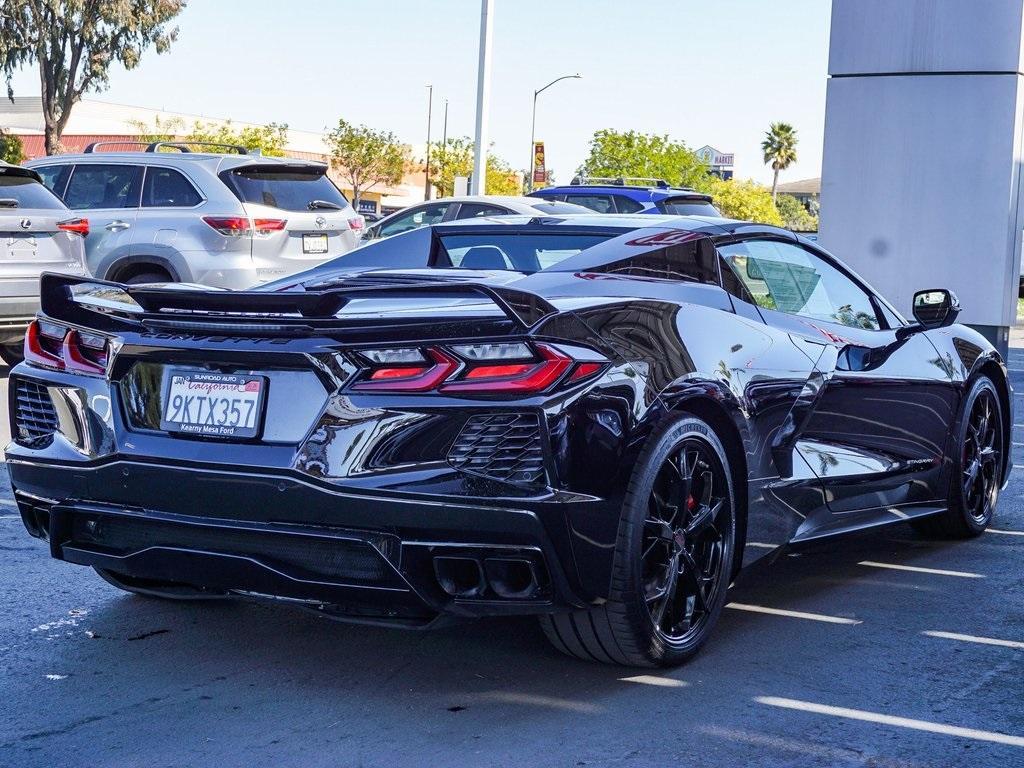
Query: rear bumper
{"points": [[356, 556]]}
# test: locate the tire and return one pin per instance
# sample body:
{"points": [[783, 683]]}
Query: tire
{"points": [[12, 354], [149, 277], [651, 540], [978, 461], [158, 589]]}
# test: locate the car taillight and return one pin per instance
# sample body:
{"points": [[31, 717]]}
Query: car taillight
{"points": [[78, 226], [356, 223], [240, 226], [50, 345], [491, 368]]}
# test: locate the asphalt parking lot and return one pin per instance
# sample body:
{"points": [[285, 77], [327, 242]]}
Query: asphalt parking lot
{"points": [[882, 649]]}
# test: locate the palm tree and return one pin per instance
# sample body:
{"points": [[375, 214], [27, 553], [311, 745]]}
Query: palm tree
{"points": [[779, 148]]}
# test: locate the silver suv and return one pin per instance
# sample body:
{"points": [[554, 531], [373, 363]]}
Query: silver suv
{"points": [[37, 234], [229, 219]]}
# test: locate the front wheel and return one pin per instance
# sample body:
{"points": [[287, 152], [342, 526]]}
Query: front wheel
{"points": [[673, 557], [978, 462]]}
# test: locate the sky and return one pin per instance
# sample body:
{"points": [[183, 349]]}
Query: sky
{"points": [[703, 73]]}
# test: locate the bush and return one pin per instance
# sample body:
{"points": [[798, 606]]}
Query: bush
{"points": [[11, 149], [795, 215], [746, 200]]}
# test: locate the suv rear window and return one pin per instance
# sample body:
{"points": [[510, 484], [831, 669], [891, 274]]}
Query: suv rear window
{"points": [[28, 193], [688, 206], [521, 253], [290, 189]]}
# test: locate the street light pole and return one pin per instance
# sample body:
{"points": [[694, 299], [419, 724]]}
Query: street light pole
{"points": [[533, 121], [430, 105], [444, 146], [483, 98]]}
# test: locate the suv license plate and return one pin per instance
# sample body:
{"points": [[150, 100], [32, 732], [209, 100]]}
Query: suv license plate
{"points": [[213, 404], [314, 243]]}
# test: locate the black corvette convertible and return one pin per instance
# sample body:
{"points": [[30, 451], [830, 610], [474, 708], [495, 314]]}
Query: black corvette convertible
{"points": [[583, 418]]}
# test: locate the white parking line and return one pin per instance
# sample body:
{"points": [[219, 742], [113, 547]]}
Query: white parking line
{"points": [[975, 639], [8, 503], [762, 545], [10, 517], [916, 569], [1018, 466], [793, 614], [1004, 533], [662, 682], [901, 722]]}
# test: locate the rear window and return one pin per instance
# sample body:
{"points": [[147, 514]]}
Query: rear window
{"points": [[688, 206], [27, 193], [556, 207], [524, 252], [289, 189]]}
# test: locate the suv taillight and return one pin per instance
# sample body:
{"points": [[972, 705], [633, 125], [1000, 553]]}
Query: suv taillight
{"points": [[240, 226], [78, 226], [55, 346], [476, 369]]}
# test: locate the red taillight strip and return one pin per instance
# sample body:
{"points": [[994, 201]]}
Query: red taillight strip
{"points": [[537, 378], [35, 354], [444, 366], [74, 360], [71, 358], [78, 226]]}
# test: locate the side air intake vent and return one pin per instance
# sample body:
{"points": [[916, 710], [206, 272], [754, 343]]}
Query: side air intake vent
{"points": [[34, 416], [502, 446]]}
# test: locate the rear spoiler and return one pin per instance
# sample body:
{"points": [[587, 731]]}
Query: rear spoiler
{"points": [[84, 301]]}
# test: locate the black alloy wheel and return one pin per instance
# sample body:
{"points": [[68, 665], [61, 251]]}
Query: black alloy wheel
{"points": [[978, 462], [673, 556]]}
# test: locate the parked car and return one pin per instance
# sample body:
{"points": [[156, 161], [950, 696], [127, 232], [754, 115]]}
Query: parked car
{"points": [[586, 418], [39, 234], [228, 219], [372, 218], [468, 207], [631, 195]]}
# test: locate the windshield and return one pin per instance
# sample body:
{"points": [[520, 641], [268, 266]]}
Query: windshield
{"points": [[27, 193], [290, 189], [524, 252], [556, 207], [688, 206]]}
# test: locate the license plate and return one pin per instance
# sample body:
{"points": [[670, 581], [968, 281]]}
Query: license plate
{"points": [[314, 243], [213, 404]]}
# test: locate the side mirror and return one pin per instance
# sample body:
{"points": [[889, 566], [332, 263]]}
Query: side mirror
{"points": [[936, 308]]}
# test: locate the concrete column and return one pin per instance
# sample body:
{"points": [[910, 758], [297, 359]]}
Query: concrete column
{"points": [[923, 146]]}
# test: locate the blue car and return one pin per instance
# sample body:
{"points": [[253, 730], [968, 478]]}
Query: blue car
{"points": [[631, 195]]}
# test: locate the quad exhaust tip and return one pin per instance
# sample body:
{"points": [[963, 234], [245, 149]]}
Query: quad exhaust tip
{"points": [[504, 577]]}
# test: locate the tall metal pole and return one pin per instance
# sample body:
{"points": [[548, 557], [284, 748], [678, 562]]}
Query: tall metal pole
{"points": [[444, 145], [533, 122], [483, 98], [430, 104]]}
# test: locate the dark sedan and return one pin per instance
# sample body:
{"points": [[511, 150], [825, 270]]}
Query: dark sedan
{"points": [[589, 419]]}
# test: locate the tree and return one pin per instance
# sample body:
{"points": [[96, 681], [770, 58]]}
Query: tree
{"points": [[455, 158], [745, 200], [11, 149], [779, 147], [161, 130], [366, 158], [795, 215], [74, 43], [270, 139], [617, 154]]}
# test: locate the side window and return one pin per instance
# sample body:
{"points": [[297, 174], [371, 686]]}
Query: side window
{"points": [[473, 210], [55, 177], [599, 203], [103, 186], [419, 217], [627, 204], [167, 188], [787, 278], [692, 260]]}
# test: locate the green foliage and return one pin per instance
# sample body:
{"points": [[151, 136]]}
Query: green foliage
{"points": [[615, 154], [11, 149], [746, 200], [779, 147], [455, 158], [795, 216], [270, 139], [161, 130], [366, 158], [75, 42]]}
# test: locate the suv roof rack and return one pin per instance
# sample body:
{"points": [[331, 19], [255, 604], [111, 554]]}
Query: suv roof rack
{"points": [[180, 146], [621, 181]]}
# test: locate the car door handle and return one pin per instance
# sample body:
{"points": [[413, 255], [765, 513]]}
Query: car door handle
{"points": [[117, 225]]}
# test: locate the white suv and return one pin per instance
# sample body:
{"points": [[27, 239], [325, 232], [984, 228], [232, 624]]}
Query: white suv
{"points": [[225, 219]]}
